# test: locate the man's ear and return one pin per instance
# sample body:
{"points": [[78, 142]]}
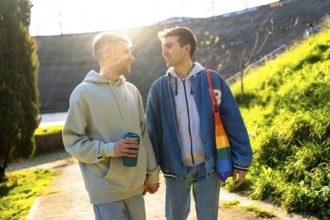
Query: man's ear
{"points": [[187, 49], [108, 52], [106, 55]]}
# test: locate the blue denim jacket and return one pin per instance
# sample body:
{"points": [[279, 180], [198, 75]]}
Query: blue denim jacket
{"points": [[163, 132]]}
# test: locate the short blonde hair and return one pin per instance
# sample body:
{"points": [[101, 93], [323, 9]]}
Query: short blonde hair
{"points": [[105, 39]]}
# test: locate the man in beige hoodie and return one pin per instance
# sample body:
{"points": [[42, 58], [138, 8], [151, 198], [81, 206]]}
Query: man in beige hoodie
{"points": [[102, 109]]}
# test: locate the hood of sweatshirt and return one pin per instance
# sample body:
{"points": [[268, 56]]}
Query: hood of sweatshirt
{"points": [[173, 77], [95, 77], [197, 67], [118, 87]]}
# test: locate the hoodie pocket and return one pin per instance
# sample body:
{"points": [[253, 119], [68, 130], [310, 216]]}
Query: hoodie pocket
{"points": [[120, 177]]}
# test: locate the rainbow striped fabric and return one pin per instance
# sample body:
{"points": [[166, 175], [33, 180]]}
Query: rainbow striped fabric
{"points": [[224, 165]]}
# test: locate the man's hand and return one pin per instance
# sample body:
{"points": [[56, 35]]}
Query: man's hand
{"points": [[150, 188], [125, 147], [238, 177]]}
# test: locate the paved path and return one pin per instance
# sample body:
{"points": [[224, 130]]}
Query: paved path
{"points": [[52, 119], [70, 202]]}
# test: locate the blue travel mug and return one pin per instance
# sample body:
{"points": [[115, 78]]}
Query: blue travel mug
{"points": [[131, 161]]}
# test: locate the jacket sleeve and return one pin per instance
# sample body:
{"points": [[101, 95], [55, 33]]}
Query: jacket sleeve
{"points": [[153, 124], [75, 140], [235, 129], [152, 167]]}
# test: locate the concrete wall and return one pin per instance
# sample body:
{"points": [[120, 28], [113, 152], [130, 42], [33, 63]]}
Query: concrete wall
{"points": [[65, 60]]}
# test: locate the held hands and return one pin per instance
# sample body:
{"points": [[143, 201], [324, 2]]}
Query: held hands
{"points": [[127, 148], [238, 177], [150, 188]]}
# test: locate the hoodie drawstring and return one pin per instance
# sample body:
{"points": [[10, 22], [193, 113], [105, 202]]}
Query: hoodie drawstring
{"points": [[176, 86], [118, 104]]}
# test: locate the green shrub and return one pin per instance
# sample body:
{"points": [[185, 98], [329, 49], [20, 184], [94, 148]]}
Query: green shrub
{"points": [[301, 197]]}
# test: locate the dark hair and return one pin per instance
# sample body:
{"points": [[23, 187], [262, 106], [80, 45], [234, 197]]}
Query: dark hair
{"points": [[186, 36], [309, 25], [105, 39]]}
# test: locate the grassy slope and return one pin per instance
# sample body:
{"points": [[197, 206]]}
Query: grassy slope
{"points": [[287, 113]]}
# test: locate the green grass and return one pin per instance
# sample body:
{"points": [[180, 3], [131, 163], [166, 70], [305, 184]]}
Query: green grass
{"points": [[48, 129], [258, 212], [286, 110], [24, 186], [20, 191], [231, 204]]}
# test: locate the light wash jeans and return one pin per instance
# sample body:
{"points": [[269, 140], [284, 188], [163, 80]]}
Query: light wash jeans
{"points": [[205, 192], [128, 209]]}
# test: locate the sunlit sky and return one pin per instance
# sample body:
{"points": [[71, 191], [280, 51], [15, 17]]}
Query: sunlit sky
{"points": [[54, 17]]}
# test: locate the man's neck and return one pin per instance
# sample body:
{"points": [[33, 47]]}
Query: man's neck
{"points": [[183, 70], [107, 73]]}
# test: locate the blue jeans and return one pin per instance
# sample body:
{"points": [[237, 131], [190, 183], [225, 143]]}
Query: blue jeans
{"points": [[205, 191], [127, 209]]}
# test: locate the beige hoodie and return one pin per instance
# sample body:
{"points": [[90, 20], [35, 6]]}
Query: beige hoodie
{"points": [[100, 113]]}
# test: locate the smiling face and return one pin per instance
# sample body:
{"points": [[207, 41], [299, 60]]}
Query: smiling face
{"points": [[172, 52], [113, 52], [178, 47], [121, 58]]}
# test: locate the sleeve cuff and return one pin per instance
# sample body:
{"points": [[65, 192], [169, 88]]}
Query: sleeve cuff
{"points": [[153, 177], [241, 168], [107, 150]]}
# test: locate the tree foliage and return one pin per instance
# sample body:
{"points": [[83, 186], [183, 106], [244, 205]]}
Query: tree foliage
{"points": [[18, 83], [213, 52], [245, 56]]}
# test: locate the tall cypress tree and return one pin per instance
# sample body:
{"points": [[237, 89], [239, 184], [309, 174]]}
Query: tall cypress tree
{"points": [[19, 65]]}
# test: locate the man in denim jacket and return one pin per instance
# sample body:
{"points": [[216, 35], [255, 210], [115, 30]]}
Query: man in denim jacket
{"points": [[181, 129]]}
